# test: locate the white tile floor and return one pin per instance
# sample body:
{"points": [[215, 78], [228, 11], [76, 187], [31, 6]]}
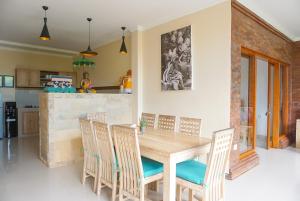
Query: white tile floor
{"points": [[24, 178]]}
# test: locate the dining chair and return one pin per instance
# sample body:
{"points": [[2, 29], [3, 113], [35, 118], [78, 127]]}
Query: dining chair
{"points": [[135, 171], [166, 122], [149, 118], [97, 116], [89, 151], [208, 179], [190, 126], [107, 171]]}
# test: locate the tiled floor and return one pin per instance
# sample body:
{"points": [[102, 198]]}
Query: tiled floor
{"points": [[24, 178]]}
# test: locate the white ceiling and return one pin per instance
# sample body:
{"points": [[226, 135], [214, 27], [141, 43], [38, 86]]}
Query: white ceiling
{"points": [[283, 15], [22, 20]]}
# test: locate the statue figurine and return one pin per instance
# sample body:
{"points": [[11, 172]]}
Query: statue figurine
{"points": [[126, 83], [86, 84]]}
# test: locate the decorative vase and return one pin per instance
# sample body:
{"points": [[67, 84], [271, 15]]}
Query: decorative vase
{"points": [[142, 129]]}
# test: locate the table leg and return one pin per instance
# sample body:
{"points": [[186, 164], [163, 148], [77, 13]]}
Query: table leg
{"points": [[169, 187]]}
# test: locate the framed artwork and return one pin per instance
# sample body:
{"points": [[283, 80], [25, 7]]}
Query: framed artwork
{"points": [[8, 81], [176, 60]]}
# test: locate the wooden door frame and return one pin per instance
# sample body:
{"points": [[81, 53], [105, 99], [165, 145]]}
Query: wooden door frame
{"points": [[254, 55]]}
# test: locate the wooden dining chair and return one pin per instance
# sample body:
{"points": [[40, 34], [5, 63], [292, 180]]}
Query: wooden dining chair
{"points": [[89, 151], [190, 126], [135, 172], [107, 170], [208, 179], [97, 116], [149, 118], [166, 122]]}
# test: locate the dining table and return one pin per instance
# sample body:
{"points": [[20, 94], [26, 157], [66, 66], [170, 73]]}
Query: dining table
{"points": [[170, 148]]}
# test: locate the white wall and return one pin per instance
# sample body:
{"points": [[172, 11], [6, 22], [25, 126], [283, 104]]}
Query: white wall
{"points": [[211, 49]]}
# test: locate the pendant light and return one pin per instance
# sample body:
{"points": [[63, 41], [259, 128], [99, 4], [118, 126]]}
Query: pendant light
{"points": [[45, 33], [123, 49], [89, 52]]}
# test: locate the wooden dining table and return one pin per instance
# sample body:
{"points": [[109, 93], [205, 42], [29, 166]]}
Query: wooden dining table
{"points": [[170, 148]]}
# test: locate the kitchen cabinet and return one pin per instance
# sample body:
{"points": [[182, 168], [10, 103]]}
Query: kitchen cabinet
{"points": [[22, 77], [27, 78], [34, 78], [30, 123]]}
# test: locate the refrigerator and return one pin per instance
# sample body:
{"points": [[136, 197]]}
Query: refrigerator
{"points": [[1, 117]]}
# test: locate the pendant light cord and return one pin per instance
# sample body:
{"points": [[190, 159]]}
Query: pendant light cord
{"points": [[89, 19]]}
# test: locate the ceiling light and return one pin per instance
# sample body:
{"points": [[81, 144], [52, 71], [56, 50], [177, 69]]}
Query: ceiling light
{"points": [[89, 52], [45, 33], [123, 49]]}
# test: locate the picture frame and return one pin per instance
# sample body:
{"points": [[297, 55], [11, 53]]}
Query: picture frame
{"points": [[8, 81], [176, 60]]}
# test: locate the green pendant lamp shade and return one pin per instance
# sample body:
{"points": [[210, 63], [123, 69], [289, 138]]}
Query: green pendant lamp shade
{"points": [[83, 62], [123, 49], [45, 33], [89, 52]]}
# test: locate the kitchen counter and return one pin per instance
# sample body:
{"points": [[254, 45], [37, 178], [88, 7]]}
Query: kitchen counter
{"points": [[60, 136]]}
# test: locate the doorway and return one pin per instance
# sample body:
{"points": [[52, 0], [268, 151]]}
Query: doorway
{"points": [[264, 102]]}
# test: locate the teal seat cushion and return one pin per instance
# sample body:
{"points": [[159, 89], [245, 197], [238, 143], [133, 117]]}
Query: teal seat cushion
{"points": [[151, 167], [192, 171]]}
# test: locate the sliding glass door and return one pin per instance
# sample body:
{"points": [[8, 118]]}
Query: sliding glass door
{"points": [[263, 101]]}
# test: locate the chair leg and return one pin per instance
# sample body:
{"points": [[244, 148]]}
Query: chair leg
{"points": [[146, 189], [178, 193], [191, 195], [99, 186], [142, 193], [96, 183], [120, 195], [114, 189], [83, 173]]}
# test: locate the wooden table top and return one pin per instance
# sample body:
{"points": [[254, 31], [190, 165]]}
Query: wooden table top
{"points": [[170, 142]]}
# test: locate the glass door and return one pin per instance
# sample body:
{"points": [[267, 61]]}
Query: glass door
{"points": [[247, 105]]}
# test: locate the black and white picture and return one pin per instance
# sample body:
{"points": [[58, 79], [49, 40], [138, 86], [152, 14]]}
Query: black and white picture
{"points": [[176, 64]]}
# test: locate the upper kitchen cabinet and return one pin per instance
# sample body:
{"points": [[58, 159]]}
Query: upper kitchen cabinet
{"points": [[22, 77], [27, 78], [34, 78]]}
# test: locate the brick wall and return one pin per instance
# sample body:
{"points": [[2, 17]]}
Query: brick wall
{"points": [[295, 78], [247, 32]]}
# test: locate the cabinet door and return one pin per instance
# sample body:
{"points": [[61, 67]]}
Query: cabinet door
{"points": [[34, 80], [27, 123], [22, 78], [30, 123], [35, 122]]}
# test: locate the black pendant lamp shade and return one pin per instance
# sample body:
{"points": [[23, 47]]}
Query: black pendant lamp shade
{"points": [[89, 52], [123, 49], [45, 33]]}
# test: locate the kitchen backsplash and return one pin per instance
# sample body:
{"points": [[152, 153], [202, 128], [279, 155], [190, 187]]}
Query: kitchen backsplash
{"points": [[25, 97]]}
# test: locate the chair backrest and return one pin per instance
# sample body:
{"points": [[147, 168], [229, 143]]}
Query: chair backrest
{"points": [[149, 118], [218, 158], [97, 116], [89, 144], [129, 159], [106, 153], [166, 122], [190, 126]]}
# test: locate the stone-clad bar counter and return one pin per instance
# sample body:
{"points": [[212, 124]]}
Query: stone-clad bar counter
{"points": [[60, 137]]}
